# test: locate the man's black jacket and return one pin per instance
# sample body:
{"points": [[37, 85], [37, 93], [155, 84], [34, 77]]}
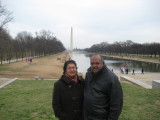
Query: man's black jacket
{"points": [[103, 96]]}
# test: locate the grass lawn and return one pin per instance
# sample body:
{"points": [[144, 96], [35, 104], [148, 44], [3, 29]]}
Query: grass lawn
{"points": [[32, 100], [140, 103], [27, 100]]}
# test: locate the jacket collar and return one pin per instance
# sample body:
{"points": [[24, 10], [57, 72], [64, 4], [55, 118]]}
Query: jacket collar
{"points": [[68, 81], [102, 70]]}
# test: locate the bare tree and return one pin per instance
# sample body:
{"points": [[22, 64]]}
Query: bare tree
{"points": [[24, 40], [47, 43], [5, 16], [127, 47], [4, 42]]}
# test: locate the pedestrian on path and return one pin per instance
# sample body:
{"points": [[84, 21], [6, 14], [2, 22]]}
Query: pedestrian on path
{"points": [[142, 71], [126, 70], [133, 72], [30, 60]]}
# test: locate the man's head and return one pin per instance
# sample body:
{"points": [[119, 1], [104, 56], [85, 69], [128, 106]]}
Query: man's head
{"points": [[96, 63]]}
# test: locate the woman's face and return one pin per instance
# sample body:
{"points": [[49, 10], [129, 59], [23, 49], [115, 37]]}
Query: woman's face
{"points": [[71, 70]]}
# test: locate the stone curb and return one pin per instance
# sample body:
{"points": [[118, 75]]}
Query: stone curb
{"points": [[137, 82], [10, 81]]}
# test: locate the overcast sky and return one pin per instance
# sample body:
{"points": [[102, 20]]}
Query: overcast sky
{"points": [[93, 21]]}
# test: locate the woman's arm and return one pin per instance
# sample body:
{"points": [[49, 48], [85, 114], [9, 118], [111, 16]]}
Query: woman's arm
{"points": [[56, 102]]}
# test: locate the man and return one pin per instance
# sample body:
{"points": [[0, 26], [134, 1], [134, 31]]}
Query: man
{"points": [[142, 71], [103, 96]]}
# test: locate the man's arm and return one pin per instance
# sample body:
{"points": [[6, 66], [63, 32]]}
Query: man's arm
{"points": [[116, 100]]}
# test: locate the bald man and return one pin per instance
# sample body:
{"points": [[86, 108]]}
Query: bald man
{"points": [[103, 95]]}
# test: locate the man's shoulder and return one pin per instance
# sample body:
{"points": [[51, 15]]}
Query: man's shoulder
{"points": [[88, 73], [109, 74], [89, 69]]}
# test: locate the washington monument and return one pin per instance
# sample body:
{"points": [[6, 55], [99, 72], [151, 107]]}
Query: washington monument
{"points": [[71, 44]]}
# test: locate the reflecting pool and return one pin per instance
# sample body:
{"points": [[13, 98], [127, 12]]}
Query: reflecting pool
{"points": [[83, 62]]}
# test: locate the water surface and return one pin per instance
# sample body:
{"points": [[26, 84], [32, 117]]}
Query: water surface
{"points": [[83, 62]]}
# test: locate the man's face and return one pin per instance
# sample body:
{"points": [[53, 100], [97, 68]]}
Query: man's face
{"points": [[96, 64]]}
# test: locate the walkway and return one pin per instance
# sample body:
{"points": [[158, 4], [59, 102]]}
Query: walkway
{"points": [[6, 81], [146, 77], [143, 80], [16, 60]]}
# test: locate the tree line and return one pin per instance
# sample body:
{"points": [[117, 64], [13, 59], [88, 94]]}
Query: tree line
{"points": [[24, 44], [127, 47]]}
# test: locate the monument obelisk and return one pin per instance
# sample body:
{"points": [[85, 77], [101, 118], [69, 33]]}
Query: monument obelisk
{"points": [[71, 44]]}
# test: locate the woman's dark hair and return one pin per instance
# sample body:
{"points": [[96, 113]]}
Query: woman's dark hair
{"points": [[68, 62]]}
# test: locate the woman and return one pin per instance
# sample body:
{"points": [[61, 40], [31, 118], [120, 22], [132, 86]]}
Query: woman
{"points": [[67, 99]]}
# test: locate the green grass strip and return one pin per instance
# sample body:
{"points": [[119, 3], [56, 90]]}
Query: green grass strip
{"points": [[32, 100]]}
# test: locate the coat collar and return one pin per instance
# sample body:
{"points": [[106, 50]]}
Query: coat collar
{"points": [[68, 81], [102, 70]]}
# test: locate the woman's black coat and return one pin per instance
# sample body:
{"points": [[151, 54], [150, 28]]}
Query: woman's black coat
{"points": [[67, 101]]}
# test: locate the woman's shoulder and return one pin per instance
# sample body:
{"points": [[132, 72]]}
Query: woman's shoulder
{"points": [[59, 82]]}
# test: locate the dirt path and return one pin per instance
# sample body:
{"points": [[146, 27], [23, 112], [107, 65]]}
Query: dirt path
{"points": [[48, 67]]}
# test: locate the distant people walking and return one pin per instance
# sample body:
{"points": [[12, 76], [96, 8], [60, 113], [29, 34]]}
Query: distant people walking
{"points": [[126, 70], [142, 71], [133, 72], [123, 70], [30, 60]]}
